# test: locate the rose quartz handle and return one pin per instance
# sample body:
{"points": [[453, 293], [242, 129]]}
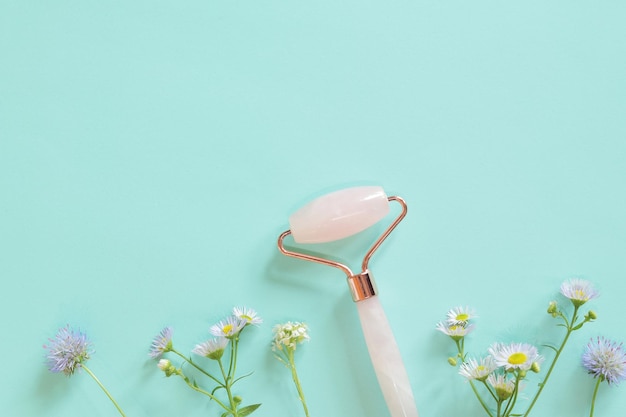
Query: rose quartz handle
{"points": [[385, 355], [339, 214]]}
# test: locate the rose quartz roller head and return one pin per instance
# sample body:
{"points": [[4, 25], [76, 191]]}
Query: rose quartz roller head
{"points": [[338, 215]]}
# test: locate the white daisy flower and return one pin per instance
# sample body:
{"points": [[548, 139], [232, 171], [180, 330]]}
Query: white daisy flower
{"points": [[247, 314], [472, 369], [515, 355], [456, 332], [504, 387], [212, 349], [228, 328], [578, 291], [460, 316]]}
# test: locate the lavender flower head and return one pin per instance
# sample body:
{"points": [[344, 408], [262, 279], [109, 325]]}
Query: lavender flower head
{"points": [[212, 349], [161, 343], [605, 359], [67, 351]]}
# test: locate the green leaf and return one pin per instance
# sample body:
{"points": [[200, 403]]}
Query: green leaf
{"points": [[551, 347], [578, 327], [242, 377], [215, 389], [225, 414], [247, 410]]}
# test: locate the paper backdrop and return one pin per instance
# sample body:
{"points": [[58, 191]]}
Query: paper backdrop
{"points": [[151, 153]]}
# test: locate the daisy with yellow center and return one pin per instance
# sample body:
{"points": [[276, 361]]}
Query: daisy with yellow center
{"points": [[460, 316], [472, 369], [515, 356], [212, 349], [578, 291], [504, 387], [456, 332], [247, 314], [228, 328]]}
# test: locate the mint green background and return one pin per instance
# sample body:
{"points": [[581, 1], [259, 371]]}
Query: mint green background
{"points": [[151, 152]]}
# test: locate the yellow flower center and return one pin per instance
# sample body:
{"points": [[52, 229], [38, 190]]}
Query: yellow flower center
{"points": [[480, 368], [246, 318], [227, 329], [580, 294], [462, 317], [517, 358]]}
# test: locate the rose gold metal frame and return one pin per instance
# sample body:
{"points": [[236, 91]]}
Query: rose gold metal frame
{"points": [[361, 285]]}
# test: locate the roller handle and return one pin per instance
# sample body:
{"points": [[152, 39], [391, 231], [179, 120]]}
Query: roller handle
{"points": [[385, 355]]}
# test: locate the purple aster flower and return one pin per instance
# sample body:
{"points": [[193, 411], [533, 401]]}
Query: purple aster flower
{"points": [[605, 359], [67, 351], [161, 343]]}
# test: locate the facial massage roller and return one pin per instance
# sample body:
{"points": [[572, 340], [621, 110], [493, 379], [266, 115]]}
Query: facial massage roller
{"points": [[336, 216]]}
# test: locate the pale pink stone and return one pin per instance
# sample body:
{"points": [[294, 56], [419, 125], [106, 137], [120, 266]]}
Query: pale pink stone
{"points": [[339, 214], [385, 355]]}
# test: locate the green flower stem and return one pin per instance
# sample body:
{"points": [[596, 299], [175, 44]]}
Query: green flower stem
{"points": [[201, 391], [509, 407], [190, 362], [103, 389], [570, 329], [296, 380], [233, 358], [460, 344], [595, 393], [480, 399], [227, 381], [490, 390]]}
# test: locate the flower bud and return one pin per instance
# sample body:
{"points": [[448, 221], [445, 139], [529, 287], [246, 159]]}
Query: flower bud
{"points": [[535, 367], [591, 315], [166, 366], [237, 399], [552, 308], [452, 361], [504, 392], [522, 373]]}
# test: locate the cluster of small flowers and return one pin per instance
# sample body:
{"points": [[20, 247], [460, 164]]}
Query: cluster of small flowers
{"points": [[224, 331], [498, 367], [506, 366], [69, 350], [289, 334], [286, 338]]}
